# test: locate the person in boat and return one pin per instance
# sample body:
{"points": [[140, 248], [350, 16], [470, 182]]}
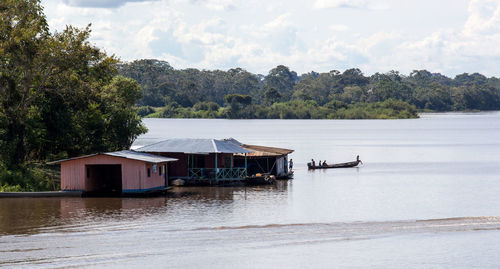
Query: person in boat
{"points": [[290, 165], [324, 163], [358, 160], [313, 163], [319, 164]]}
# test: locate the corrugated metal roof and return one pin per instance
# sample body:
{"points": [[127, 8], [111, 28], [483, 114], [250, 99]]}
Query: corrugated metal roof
{"points": [[140, 156], [261, 151], [194, 146], [127, 154]]}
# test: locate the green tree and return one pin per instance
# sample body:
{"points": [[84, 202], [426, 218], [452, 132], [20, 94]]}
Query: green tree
{"points": [[236, 103], [353, 76], [208, 106], [58, 94], [282, 79], [24, 71], [122, 123], [352, 94], [390, 86], [271, 96]]}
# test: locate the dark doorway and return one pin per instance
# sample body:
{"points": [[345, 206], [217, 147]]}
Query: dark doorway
{"points": [[103, 178]]}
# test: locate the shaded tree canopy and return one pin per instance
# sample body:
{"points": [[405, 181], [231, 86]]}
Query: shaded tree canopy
{"points": [[59, 95]]}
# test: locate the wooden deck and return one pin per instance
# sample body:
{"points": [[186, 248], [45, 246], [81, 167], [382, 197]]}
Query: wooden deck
{"points": [[41, 194]]}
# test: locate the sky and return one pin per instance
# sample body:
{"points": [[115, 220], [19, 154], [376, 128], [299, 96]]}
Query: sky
{"points": [[450, 37]]}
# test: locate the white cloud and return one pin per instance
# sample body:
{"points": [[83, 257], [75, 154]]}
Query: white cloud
{"points": [[484, 17], [221, 4], [100, 3], [217, 5], [472, 48], [281, 21], [339, 27], [319, 4], [195, 33], [355, 4]]}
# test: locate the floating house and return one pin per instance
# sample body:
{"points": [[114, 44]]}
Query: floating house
{"points": [[149, 168], [121, 172], [202, 160], [214, 161]]}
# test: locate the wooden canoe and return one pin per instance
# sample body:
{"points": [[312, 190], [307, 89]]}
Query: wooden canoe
{"points": [[337, 165]]}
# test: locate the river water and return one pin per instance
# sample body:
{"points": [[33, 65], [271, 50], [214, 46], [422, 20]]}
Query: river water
{"points": [[427, 196]]}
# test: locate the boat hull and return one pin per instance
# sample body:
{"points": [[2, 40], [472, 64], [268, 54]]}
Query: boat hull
{"points": [[286, 176], [337, 165]]}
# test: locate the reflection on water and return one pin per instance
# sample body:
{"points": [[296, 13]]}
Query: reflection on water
{"points": [[30, 216], [27, 215], [426, 196]]}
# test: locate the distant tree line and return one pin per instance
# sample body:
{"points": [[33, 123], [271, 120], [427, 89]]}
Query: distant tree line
{"points": [[237, 93]]}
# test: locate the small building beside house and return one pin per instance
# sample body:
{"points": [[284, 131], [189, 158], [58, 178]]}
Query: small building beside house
{"points": [[201, 160], [121, 172]]}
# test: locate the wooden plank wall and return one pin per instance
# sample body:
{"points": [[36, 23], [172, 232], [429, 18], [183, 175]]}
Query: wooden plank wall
{"points": [[134, 173]]}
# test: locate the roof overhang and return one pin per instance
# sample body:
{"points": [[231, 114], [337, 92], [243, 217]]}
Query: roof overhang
{"points": [[263, 151], [126, 154]]}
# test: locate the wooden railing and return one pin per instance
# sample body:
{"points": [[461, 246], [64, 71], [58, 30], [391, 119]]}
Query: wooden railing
{"points": [[219, 174]]}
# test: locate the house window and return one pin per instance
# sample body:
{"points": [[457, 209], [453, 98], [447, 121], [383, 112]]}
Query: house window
{"points": [[149, 172], [161, 168]]}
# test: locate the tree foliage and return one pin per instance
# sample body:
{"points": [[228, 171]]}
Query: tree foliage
{"points": [[421, 88], [59, 95]]}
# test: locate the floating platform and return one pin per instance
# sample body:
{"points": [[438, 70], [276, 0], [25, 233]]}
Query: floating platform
{"points": [[261, 179], [41, 194]]}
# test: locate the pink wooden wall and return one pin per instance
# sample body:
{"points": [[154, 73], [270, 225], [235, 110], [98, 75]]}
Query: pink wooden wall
{"points": [[134, 173]]}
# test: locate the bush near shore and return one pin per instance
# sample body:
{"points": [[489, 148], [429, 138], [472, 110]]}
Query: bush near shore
{"points": [[296, 109]]}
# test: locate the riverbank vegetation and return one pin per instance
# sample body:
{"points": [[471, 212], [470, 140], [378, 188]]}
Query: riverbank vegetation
{"points": [[60, 96], [282, 94], [295, 109]]}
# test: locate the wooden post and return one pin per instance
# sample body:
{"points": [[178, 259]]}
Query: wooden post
{"points": [[246, 168], [165, 174], [188, 166], [216, 179], [231, 171]]}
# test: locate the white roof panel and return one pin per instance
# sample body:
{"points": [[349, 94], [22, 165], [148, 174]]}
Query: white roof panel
{"points": [[127, 154], [194, 146], [140, 156]]}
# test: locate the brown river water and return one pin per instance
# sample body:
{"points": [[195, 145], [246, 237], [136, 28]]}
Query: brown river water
{"points": [[427, 196]]}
